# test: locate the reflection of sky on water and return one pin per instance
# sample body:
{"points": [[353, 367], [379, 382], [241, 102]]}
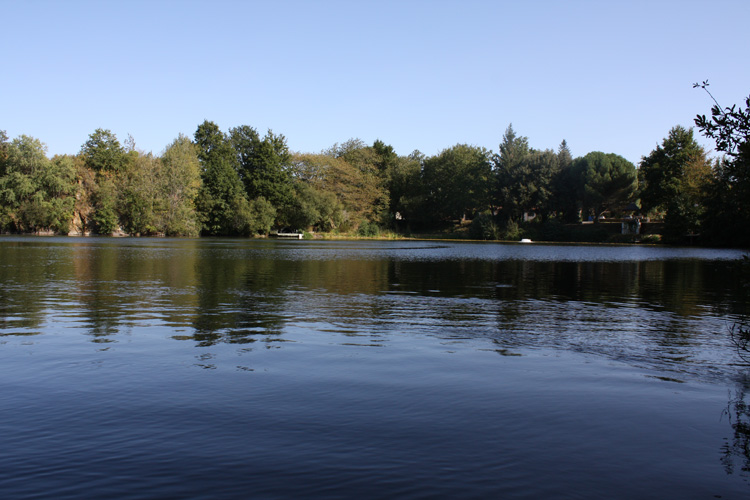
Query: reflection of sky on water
{"points": [[422, 366], [664, 308]]}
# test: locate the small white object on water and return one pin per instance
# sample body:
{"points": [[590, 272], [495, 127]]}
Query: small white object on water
{"points": [[525, 240]]}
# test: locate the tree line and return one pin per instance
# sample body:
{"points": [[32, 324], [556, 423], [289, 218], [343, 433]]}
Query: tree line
{"points": [[242, 183]]}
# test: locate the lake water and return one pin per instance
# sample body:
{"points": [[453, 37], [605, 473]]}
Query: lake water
{"points": [[186, 368]]}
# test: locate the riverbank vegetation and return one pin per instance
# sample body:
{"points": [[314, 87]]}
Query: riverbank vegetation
{"points": [[241, 183]]}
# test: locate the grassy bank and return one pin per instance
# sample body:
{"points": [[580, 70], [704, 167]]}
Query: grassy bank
{"points": [[551, 231]]}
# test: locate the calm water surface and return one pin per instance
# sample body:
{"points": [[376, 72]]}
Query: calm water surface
{"points": [[160, 368]]}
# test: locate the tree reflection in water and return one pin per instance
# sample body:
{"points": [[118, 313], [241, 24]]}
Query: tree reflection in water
{"points": [[736, 453]]}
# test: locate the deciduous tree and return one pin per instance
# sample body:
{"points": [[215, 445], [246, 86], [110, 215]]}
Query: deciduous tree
{"points": [[458, 182], [221, 201], [526, 185], [728, 211], [359, 192], [35, 193], [371, 166], [178, 183], [138, 193], [608, 180], [675, 179], [263, 164]]}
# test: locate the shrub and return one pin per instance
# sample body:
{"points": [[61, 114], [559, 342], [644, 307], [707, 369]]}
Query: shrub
{"points": [[368, 229], [651, 238], [512, 231], [554, 230], [483, 227], [621, 238]]}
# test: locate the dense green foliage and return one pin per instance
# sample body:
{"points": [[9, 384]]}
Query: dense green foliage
{"points": [[457, 182], [36, 193], [263, 164], [240, 183], [524, 177], [728, 204], [221, 201], [102, 152], [674, 179], [179, 181], [608, 181]]}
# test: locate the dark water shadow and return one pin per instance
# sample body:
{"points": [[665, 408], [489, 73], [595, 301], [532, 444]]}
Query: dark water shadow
{"points": [[735, 453]]}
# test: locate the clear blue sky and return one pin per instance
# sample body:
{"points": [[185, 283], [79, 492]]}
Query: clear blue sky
{"points": [[610, 76]]}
